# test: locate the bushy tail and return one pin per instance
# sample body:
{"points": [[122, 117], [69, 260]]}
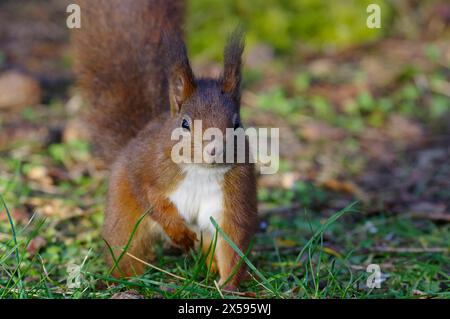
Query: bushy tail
{"points": [[120, 66]]}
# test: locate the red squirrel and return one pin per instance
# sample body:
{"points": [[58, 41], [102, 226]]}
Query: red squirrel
{"points": [[133, 67]]}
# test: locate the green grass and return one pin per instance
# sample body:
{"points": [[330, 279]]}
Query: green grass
{"points": [[310, 251], [301, 262]]}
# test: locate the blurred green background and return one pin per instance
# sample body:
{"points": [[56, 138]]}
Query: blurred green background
{"points": [[284, 25]]}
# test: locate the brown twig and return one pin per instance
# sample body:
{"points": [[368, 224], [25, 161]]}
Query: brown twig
{"points": [[439, 217]]}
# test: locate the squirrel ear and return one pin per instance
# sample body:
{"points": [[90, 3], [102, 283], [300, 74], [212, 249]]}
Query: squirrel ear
{"points": [[181, 79], [231, 78], [181, 87]]}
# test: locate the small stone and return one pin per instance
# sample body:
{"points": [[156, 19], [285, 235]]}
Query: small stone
{"points": [[18, 91]]}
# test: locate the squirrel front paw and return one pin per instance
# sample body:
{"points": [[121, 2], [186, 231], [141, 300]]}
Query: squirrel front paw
{"points": [[184, 237]]}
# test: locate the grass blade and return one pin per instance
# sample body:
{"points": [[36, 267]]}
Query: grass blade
{"points": [[242, 255]]}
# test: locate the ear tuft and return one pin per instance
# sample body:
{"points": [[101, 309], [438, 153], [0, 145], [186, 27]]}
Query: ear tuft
{"points": [[231, 79], [180, 77]]}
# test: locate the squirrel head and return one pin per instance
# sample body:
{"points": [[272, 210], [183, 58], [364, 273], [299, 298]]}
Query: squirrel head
{"points": [[202, 104]]}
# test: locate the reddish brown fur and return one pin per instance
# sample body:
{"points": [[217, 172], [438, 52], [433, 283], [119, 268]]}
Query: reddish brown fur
{"points": [[120, 65], [240, 220], [132, 88]]}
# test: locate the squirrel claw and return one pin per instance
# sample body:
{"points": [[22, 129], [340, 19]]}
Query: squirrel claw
{"points": [[185, 239]]}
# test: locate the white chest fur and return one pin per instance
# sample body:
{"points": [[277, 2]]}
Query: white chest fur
{"points": [[200, 196]]}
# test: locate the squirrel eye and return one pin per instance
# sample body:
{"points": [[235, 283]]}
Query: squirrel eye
{"points": [[185, 124]]}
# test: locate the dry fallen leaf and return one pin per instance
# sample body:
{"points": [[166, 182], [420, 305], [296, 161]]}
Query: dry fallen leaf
{"points": [[36, 244], [19, 216], [286, 243], [345, 187], [317, 131], [40, 175], [403, 129], [54, 207]]}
